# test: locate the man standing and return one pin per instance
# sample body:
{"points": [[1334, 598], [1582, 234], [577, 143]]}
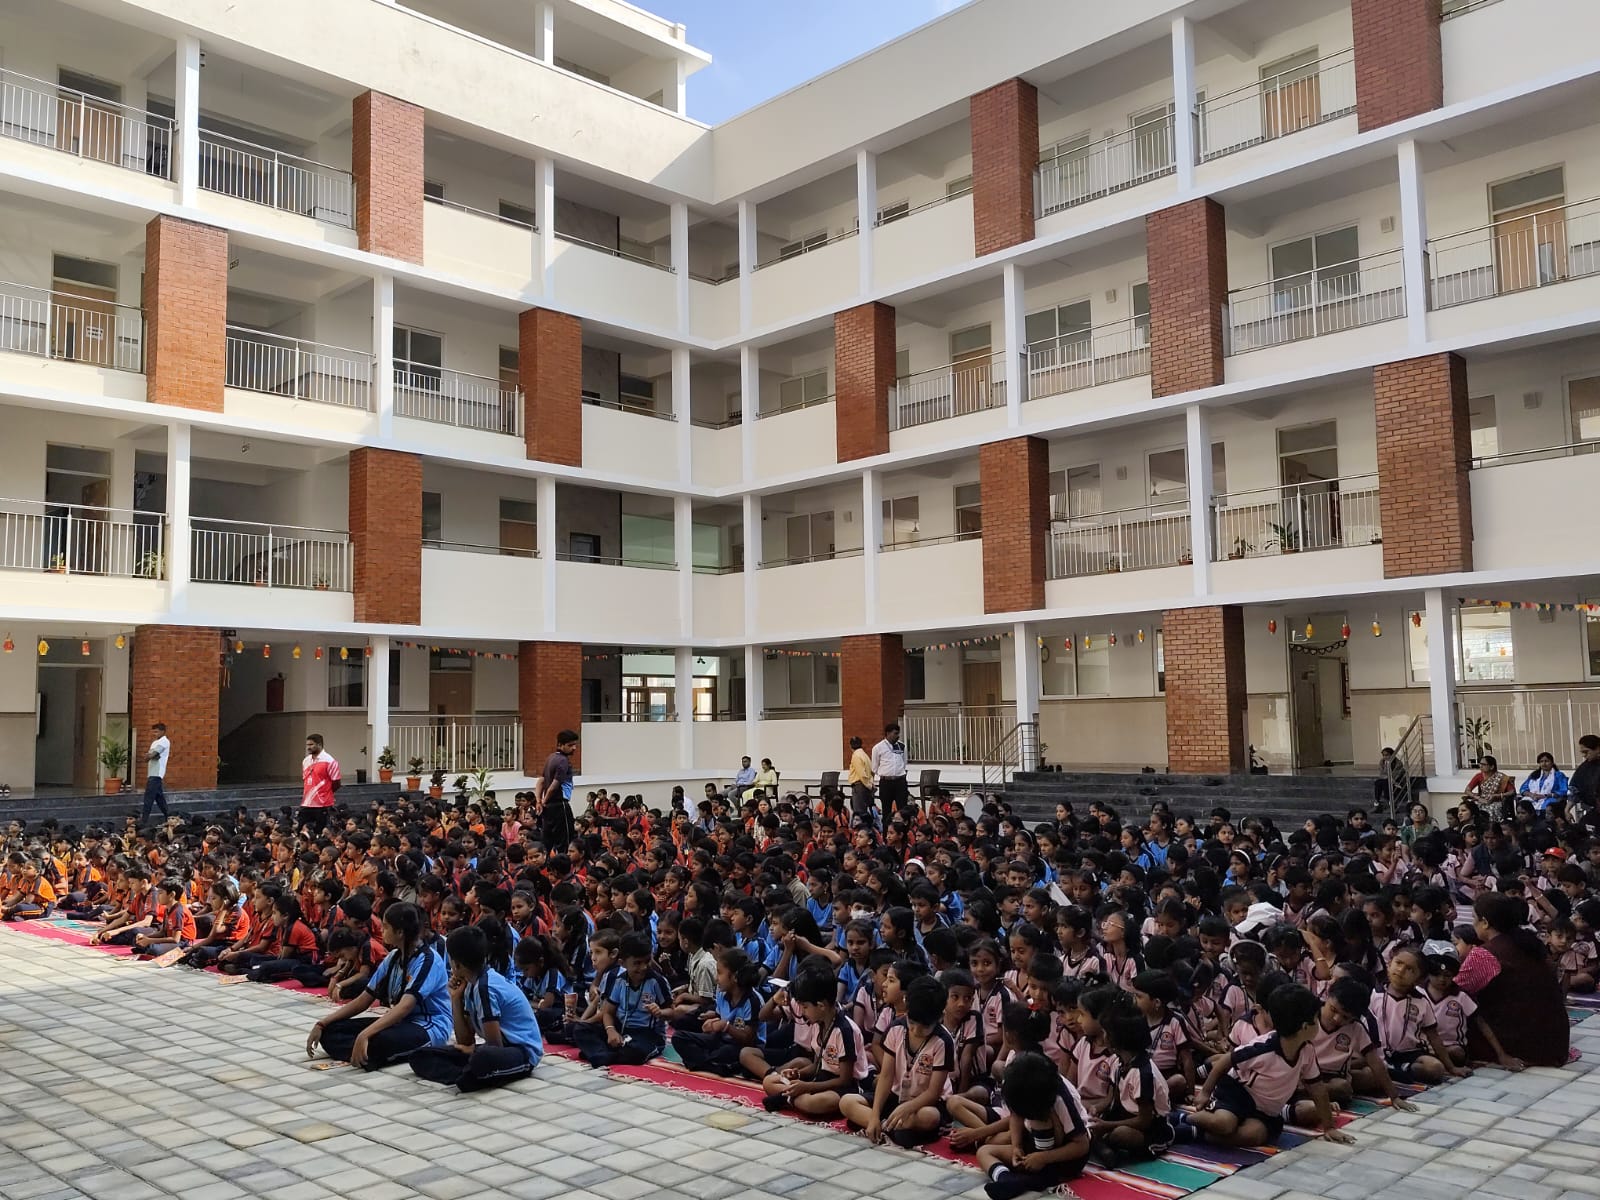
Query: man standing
{"points": [[155, 783], [555, 793], [319, 775], [889, 765], [860, 780], [745, 777]]}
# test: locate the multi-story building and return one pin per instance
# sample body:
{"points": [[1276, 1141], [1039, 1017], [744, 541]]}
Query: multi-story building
{"points": [[1196, 376]]}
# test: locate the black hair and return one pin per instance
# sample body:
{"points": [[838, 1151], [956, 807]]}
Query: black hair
{"points": [[1292, 1007], [1128, 1032], [925, 1000], [406, 920], [468, 947], [1030, 1086], [634, 945]]}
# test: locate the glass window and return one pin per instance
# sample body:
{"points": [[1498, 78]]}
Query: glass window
{"points": [[418, 354], [1065, 326], [1141, 313], [519, 532], [802, 390], [802, 680], [1168, 475], [1075, 492], [394, 680], [958, 187], [969, 343], [900, 520], [969, 508], [1546, 188], [432, 189], [1094, 665], [1583, 406], [1485, 432], [432, 517], [893, 212], [1066, 148], [827, 677], [1417, 650], [1161, 662], [1331, 256], [1486, 650], [347, 677], [647, 539], [916, 675], [1077, 666], [902, 363], [517, 214]]}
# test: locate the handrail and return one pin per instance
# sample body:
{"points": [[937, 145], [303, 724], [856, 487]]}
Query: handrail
{"points": [[953, 390], [913, 209], [637, 410], [41, 113], [1534, 250], [1020, 747], [463, 399], [1327, 299], [798, 559], [200, 522], [806, 247], [971, 535], [1458, 8], [1296, 98], [1565, 450], [609, 560], [1491, 226], [614, 252], [266, 335], [789, 408], [1270, 82], [268, 555], [259, 361], [1411, 748], [277, 178], [212, 135], [479, 212], [1105, 353], [81, 539], [1318, 514], [51, 324], [1118, 161], [718, 568], [479, 548], [1110, 541], [725, 423]]}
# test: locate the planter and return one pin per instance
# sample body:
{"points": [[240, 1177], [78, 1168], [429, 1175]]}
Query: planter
{"points": [[385, 775], [1234, 556], [261, 583], [1289, 550], [113, 787], [361, 775], [436, 793], [413, 783]]}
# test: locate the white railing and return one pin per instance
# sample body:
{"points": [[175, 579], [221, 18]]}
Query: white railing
{"points": [[956, 734], [1330, 299], [1120, 161], [1129, 539], [1524, 723], [1551, 246], [1104, 354], [1508, 458], [1278, 105], [73, 122], [480, 212], [286, 556], [286, 366], [457, 745], [1321, 515], [456, 398], [277, 179], [60, 325], [78, 539], [951, 391]]}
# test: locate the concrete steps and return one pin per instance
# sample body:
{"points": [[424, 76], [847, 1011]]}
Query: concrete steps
{"points": [[1035, 794], [102, 809]]}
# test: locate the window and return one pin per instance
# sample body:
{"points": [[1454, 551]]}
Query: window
{"points": [[810, 536], [900, 520], [1583, 410], [519, 532], [916, 675], [1075, 492], [894, 212], [969, 509], [432, 517], [813, 679], [1417, 651], [902, 363], [800, 245], [432, 189], [637, 393], [958, 187], [1141, 314], [418, 359], [967, 344], [1064, 328], [583, 547], [802, 390], [1291, 94], [1486, 650], [1161, 662], [1077, 666], [517, 214], [1316, 269], [1065, 149], [510, 369], [1591, 644], [1168, 472], [634, 249], [1545, 188], [1152, 140], [347, 677], [394, 680], [1485, 434]]}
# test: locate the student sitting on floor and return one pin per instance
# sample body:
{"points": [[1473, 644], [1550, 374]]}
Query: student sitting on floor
{"points": [[235, 958], [483, 1003], [137, 911], [1407, 1026], [733, 1024], [230, 926], [816, 1087], [1049, 1141], [919, 1058], [174, 926], [541, 978], [292, 952], [632, 1029], [33, 895], [1137, 1123]]}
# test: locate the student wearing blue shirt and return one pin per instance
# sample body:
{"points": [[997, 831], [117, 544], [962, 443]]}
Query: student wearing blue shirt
{"points": [[483, 1003], [632, 1027], [733, 1027]]}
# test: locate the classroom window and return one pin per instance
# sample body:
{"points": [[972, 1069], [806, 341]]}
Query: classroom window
{"points": [[1486, 647], [1417, 651], [958, 187], [1485, 430], [802, 390], [517, 214], [969, 508], [1076, 666], [1141, 313], [432, 517], [1591, 643], [519, 532], [900, 520], [916, 675], [394, 680], [347, 677]]}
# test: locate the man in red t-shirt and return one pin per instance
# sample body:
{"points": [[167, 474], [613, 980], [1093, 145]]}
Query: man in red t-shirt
{"points": [[319, 773]]}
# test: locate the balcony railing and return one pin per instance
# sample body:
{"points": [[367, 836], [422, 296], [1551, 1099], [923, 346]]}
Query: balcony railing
{"points": [[459, 398], [457, 745], [47, 114], [622, 560], [1324, 514], [953, 391], [1527, 722], [1279, 105], [956, 734], [794, 560], [1129, 539], [61, 325], [277, 179], [480, 212], [805, 246], [1515, 254], [793, 406], [79, 539], [1457, 8], [1104, 354], [1510, 457], [285, 556], [638, 406], [479, 548], [615, 252], [285, 366], [1123, 160], [1365, 291]]}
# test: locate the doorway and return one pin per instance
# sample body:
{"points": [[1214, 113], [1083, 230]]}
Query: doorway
{"points": [[83, 314], [67, 726], [970, 374], [77, 492], [980, 683], [88, 117], [1308, 472], [450, 687], [1319, 692], [1291, 94], [1530, 230]]}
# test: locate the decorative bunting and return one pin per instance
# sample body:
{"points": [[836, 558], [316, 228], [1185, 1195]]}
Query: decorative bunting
{"points": [[1526, 605], [1319, 651]]}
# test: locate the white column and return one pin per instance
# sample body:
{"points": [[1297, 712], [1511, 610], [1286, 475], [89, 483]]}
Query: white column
{"points": [[683, 553], [682, 106], [186, 112], [680, 262], [1200, 484], [682, 411], [545, 211], [750, 407], [1414, 242], [752, 559], [747, 259], [683, 692], [871, 538], [866, 214], [1025, 646], [378, 700], [755, 694], [383, 352], [177, 532], [1183, 93], [544, 33], [1015, 302], [1441, 681], [544, 515]]}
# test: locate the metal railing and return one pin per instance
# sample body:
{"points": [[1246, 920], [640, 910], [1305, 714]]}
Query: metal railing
{"points": [[948, 539], [1104, 354], [1325, 514], [277, 179], [458, 398], [479, 548], [62, 118], [956, 734], [1331, 299], [615, 252], [952, 391], [728, 422], [286, 556], [1457, 8], [1516, 254], [795, 407], [79, 539], [609, 560], [1279, 105], [1018, 750], [286, 366], [1511, 457], [60, 325], [1130, 539], [1123, 160], [629, 405], [456, 745], [889, 214], [795, 560], [479, 212], [1408, 771], [1526, 722], [806, 247]]}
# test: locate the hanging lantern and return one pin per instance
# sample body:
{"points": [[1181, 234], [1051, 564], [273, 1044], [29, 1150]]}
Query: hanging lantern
{"points": [[1416, 619], [1272, 624], [1311, 631], [1087, 641], [295, 653], [1377, 629], [344, 653], [1502, 650], [369, 649], [1113, 639], [318, 653], [1139, 637], [1344, 630], [9, 645], [266, 649], [121, 642], [44, 647], [83, 647], [238, 647]]}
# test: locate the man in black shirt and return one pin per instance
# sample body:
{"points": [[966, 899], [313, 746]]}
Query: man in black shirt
{"points": [[555, 792]]}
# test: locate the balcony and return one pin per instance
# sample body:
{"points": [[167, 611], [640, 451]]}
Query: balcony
{"points": [[1521, 254], [461, 240], [787, 591], [258, 361], [1526, 722], [487, 591], [1113, 164], [275, 179], [73, 539], [598, 594], [808, 275], [457, 745], [957, 734], [1104, 354], [457, 398], [1558, 479], [956, 390], [906, 569], [1108, 543], [594, 277], [1275, 107], [70, 328], [1331, 299], [269, 556], [924, 238], [87, 127], [1325, 514]]}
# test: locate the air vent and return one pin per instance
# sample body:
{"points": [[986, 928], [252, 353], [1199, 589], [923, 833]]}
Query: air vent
{"points": [[1386, 225], [1532, 400]]}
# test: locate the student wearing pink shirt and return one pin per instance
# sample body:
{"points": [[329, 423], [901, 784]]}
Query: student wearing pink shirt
{"points": [[319, 775]]}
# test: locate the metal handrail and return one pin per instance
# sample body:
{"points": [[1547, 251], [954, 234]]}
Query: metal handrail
{"points": [[725, 423], [609, 560], [479, 212], [479, 548], [955, 390], [258, 361], [789, 408], [461, 398], [1105, 353], [1270, 108], [972, 535], [1539, 249], [223, 550], [1457, 8], [1017, 751], [1329, 299], [638, 410], [1114, 540], [913, 209], [798, 559], [614, 252], [1319, 514], [277, 179], [59, 325], [74, 122], [81, 539], [718, 568], [459, 744], [1411, 748], [807, 248], [1122, 160], [1565, 450]]}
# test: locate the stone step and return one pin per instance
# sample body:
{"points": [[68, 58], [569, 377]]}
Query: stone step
{"points": [[102, 809]]}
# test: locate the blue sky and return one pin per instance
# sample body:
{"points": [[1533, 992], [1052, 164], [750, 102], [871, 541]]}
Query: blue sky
{"points": [[763, 47]]}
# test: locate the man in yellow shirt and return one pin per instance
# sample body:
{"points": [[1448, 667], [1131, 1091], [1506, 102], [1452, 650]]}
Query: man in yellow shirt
{"points": [[860, 780]]}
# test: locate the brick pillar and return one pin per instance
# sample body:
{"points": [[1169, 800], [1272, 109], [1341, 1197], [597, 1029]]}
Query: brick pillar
{"points": [[386, 159], [1206, 696], [872, 685], [863, 373], [1014, 483], [386, 535], [549, 698], [1005, 154], [550, 368], [1187, 250], [175, 678], [185, 299], [1424, 444], [1399, 60]]}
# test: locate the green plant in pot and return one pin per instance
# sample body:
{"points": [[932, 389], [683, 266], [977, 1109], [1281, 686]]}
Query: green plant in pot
{"points": [[113, 757], [386, 764], [414, 774], [1286, 538], [436, 782]]}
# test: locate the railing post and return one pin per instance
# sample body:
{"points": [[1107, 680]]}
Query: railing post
{"points": [[1572, 728]]}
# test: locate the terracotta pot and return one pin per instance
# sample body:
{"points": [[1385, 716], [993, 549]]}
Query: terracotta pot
{"points": [[113, 787], [413, 783], [436, 793], [385, 775]]}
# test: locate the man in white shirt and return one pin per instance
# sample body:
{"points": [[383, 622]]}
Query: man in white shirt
{"points": [[889, 765], [155, 787]]}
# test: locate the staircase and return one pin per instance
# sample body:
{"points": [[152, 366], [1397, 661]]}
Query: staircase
{"points": [[1287, 799], [104, 810]]}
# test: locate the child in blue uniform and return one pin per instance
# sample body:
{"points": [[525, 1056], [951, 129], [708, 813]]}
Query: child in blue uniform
{"points": [[483, 1003], [733, 1026], [632, 1025]]}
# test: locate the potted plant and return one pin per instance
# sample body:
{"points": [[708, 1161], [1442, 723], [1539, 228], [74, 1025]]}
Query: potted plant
{"points": [[1114, 564], [1475, 731], [479, 785], [1186, 559], [114, 759], [436, 783], [459, 785], [58, 563], [261, 580], [1240, 549], [320, 583], [386, 765], [413, 774], [1285, 538], [152, 565]]}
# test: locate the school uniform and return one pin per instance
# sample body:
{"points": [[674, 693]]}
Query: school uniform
{"points": [[1068, 1119], [38, 901], [991, 1009], [1454, 1015], [424, 977], [177, 929], [718, 1052], [551, 982], [1091, 1071], [236, 932], [288, 951], [1403, 1022], [910, 1072], [1339, 1049], [1168, 1039], [1258, 1082], [841, 1050], [491, 997], [1090, 962], [1142, 1082], [643, 1035]]}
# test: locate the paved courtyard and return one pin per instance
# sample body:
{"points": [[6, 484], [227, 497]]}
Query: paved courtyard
{"points": [[124, 1082]]}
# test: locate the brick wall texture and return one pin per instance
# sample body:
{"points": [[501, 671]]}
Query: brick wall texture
{"points": [[1014, 482], [1399, 60], [872, 685], [1206, 696], [185, 301], [175, 678], [386, 535], [863, 373], [1005, 152], [549, 698], [550, 367], [386, 159], [1424, 446], [1188, 266]]}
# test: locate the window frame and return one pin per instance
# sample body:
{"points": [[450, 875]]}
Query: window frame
{"points": [[355, 669]]}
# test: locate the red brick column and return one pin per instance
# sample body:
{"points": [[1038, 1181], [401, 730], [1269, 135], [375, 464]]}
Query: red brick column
{"points": [[550, 367], [386, 535], [863, 373], [1187, 249], [386, 159], [872, 685], [1399, 60], [549, 698], [1005, 153], [1424, 445], [1014, 483], [1206, 696], [176, 679], [185, 299]]}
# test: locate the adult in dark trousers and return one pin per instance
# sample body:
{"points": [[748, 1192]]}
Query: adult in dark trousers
{"points": [[889, 766], [155, 781], [554, 800], [860, 779]]}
